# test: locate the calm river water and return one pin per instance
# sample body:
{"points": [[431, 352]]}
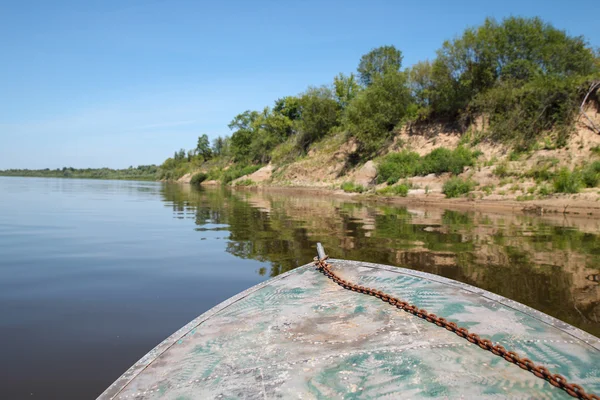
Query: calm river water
{"points": [[93, 274]]}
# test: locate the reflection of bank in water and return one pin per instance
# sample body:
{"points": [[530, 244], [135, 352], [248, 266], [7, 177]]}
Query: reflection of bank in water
{"points": [[301, 335], [542, 262]]}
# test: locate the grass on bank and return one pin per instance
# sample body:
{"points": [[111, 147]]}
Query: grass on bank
{"points": [[233, 172], [351, 187], [245, 182], [406, 163], [395, 190]]}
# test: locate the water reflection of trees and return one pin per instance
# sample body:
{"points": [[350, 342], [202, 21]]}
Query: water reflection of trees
{"points": [[538, 262]]}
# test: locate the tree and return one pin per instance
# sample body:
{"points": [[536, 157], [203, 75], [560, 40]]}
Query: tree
{"points": [[377, 62], [241, 139], [191, 154], [345, 88], [203, 147], [509, 53], [378, 109], [288, 106], [420, 83], [179, 155], [318, 115], [269, 130], [219, 146]]}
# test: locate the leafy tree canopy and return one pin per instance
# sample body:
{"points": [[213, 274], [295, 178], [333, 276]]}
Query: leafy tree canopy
{"points": [[377, 62], [203, 147]]}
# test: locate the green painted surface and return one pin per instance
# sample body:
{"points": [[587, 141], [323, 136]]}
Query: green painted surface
{"points": [[302, 336]]}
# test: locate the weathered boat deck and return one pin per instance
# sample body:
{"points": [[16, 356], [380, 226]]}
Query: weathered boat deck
{"points": [[299, 335]]}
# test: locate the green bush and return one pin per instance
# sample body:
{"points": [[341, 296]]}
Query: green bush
{"points": [[198, 178], [245, 182], [502, 170], [567, 181], [398, 165], [591, 174], [488, 189], [396, 190], [237, 171], [514, 155], [351, 187], [405, 164], [443, 160], [545, 191], [455, 187], [543, 170]]}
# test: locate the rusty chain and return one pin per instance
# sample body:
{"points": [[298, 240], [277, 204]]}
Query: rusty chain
{"points": [[540, 371]]}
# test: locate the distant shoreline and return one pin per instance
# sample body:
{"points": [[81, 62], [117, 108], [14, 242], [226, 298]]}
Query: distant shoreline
{"points": [[81, 177], [556, 205]]}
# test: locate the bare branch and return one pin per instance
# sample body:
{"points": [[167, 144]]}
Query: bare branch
{"points": [[593, 87]]}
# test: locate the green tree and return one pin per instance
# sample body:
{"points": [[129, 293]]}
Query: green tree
{"points": [[378, 109], [270, 129], [515, 50], [318, 115], [179, 155], [241, 139], [345, 88], [378, 62], [203, 147], [420, 81], [288, 106], [220, 146]]}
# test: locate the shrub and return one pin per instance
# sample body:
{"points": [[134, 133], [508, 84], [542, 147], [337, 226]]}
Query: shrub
{"points": [[198, 178], [406, 163], [502, 170], [543, 170], [245, 182], [397, 190], [514, 155], [591, 174], [567, 181], [443, 160], [545, 191], [455, 187], [351, 187], [488, 189], [237, 171], [398, 165]]}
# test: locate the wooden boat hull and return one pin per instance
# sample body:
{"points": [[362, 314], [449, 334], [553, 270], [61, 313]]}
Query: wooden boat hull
{"points": [[299, 335]]}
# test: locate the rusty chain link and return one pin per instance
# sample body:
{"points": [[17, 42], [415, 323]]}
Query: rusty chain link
{"points": [[556, 380]]}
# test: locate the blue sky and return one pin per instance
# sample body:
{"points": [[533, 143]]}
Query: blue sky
{"points": [[119, 83]]}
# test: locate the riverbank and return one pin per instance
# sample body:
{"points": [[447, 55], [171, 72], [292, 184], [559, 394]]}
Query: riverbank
{"points": [[552, 206], [544, 180]]}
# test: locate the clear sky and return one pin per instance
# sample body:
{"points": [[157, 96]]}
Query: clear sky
{"points": [[120, 82]]}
